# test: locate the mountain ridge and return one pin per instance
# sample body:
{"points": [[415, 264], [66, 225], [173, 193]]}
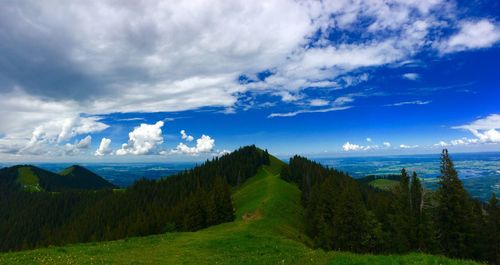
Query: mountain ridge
{"points": [[31, 178], [268, 229]]}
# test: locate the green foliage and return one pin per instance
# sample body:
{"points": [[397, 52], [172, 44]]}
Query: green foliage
{"points": [[343, 214], [453, 212], [191, 200], [493, 231], [269, 229]]}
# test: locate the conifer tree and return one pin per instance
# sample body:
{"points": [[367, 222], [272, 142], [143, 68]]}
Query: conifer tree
{"points": [[453, 211], [402, 217], [351, 224], [416, 213], [493, 231]]}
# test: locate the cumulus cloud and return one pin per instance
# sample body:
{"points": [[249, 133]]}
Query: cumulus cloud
{"points": [[351, 147], [356, 147], [472, 35], [143, 140], [485, 129], [46, 136], [386, 144], [416, 102], [78, 147], [186, 137], [105, 57], [104, 147], [404, 146], [411, 76], [204, 144]]}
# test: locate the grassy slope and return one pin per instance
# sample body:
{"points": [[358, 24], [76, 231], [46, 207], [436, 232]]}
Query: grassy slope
{"points": [[28, 179], [268, 230], [384, 184]]}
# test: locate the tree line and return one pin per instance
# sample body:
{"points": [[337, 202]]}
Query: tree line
{"points": [[344, 214], [188, 201]]}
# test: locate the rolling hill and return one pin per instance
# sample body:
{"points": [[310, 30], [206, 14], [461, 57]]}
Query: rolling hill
{"points": [[269, 229], [33, 179]]}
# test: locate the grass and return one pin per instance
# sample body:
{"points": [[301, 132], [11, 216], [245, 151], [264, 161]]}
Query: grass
{"points": [[28, 179], [384, 184], [268, 229]]}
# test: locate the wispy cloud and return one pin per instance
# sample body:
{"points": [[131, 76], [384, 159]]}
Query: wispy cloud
{"points": [[411, 76], [415, 102], [337, 104]]}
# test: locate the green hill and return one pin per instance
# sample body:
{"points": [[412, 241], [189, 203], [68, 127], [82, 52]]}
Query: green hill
{"points": [[78, 177], [33, 179], [268, 229]]}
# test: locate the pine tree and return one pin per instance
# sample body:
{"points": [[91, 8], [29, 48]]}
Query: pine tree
{"points": [[453, 211], [350, 228], [402, 217], [492, 254], [416, 240]]}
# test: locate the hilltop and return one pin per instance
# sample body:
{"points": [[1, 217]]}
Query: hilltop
{"points": [[268, 229], [34, 179]]}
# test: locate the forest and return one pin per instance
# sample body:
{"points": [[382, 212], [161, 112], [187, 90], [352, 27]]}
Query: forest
{"points": [[188, 201], [345, 214]]}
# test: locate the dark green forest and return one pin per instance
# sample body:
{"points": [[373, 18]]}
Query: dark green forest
{"points": [[188, 201], [345, 214], [341, 213]]}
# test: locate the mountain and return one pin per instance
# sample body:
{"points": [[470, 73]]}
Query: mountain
{"points": [[34, 179], [269, 229], [78, 177]]}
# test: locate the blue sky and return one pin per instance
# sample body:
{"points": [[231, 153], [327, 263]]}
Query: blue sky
{"points": [[106, 82]]}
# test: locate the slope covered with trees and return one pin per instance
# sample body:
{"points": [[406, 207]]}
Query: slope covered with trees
{"points": [[343, 214], [188, 201], [34, 179], [268, 228]]}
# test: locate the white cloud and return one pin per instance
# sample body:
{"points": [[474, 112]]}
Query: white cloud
{"points": [[186, 137], [295, 113], [442, 144], [85, 142], [352, 147], [458, 142], [485, 129], [143, 140], [104, 148], [318, 102], [404, 146], [337, 104], [416, 102], [355, 147], [48, 135], [123, 58], [472, 35], [411, 76], [78, 147], [204, 144]]}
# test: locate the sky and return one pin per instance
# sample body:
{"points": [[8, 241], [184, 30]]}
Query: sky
{"points": [[128, 81]]}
